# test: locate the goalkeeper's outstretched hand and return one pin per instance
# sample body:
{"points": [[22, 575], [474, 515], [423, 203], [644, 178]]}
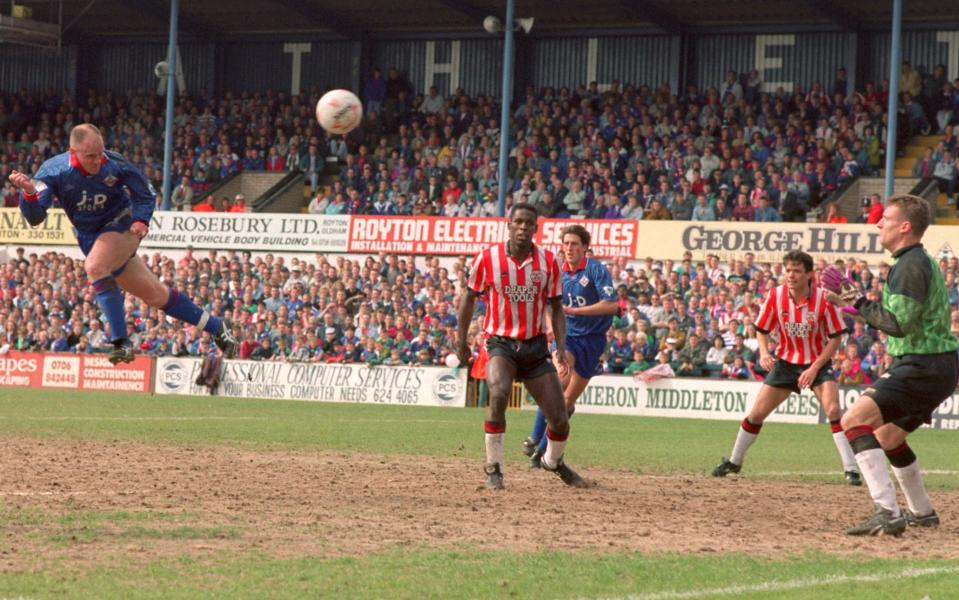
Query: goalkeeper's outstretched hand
{"points": [[842, 290]]}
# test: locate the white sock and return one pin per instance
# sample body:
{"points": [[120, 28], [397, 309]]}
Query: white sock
{"points": [[744, 440], [845, 451], [910, 480], [554, 452], [872, 465], [494, 449]]}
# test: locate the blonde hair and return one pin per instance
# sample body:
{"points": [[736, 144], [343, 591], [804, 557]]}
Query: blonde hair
{"points": [[914, 209], [81, 132]]}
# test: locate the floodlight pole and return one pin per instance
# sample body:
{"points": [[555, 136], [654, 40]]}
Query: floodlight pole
{"points": [[508, 27], [895, 64], [170, 95]]}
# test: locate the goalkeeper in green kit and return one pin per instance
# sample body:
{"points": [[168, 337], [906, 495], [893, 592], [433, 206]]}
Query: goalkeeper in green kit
{"points": [[914, 312]]}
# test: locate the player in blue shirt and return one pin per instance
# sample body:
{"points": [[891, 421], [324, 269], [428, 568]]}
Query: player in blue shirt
{"points": [[110, 203], [589, 302]]}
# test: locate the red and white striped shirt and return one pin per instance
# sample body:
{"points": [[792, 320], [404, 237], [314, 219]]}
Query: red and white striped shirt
{"points": [[804, 329], [519, 292]]}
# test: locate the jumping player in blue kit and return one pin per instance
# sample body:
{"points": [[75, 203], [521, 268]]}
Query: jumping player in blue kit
{"points": [[589, 302], [110, 203]]}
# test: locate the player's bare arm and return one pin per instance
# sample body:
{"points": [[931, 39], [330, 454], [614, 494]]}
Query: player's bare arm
{"points": [[466, 309], [559, 331], [603, 307], [766, 359]]}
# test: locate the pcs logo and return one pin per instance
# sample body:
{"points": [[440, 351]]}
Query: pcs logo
{"points": [[448, 389], [174, 377]]}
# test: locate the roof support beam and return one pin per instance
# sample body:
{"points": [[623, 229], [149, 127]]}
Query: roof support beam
{"points": [[838, 15], [647, 11], [160, 9], [323, 17], [467, 8]]}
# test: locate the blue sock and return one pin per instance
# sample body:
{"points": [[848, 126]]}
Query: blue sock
{"points": [[543, 440], [539, 426], [182, 308], [110, 298]]}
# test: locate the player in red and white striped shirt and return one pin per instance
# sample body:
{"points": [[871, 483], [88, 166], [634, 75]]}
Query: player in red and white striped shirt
{"points": [[808, 328], [520, 280]]}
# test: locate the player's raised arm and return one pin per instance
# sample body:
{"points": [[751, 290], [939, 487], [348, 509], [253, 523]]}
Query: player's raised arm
{"points": [[35, 195]]}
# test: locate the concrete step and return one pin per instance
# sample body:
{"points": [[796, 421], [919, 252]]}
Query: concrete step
{"points": [[306, 191], [915, 152], [905, 163], [925, 140], [947, 220], [906, 172]]}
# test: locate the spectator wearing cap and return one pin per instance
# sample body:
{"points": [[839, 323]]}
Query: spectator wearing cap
{"points": [[864, 209], [239, 204], [295, 278]]}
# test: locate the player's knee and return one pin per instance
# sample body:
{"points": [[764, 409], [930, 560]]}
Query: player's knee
{"points": [[498, 395], [95, 269], [832, 412], [849, 421]]}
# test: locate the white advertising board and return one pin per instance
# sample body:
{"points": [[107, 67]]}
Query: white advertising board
{"points": [[319, 382]]}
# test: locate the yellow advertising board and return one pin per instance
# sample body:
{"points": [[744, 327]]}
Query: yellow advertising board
{"points": [[769, 241], [56, 230]]}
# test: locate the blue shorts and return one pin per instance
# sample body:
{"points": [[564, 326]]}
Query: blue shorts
{"points": [[586, 350], [120, 223]]}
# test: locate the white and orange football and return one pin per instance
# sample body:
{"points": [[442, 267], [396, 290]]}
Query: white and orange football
{"points": [[339, 111]]}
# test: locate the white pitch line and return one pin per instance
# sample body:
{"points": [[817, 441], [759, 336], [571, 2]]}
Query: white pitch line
{"points": [[789, 584], [335, 419], [199, 418], [818, 473]]}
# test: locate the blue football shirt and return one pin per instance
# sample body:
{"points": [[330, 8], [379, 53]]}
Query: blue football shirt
{"points": [[587, 284]]}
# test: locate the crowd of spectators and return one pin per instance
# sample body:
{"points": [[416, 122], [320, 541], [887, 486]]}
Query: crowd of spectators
{"points": [[740, 151], [392, 310]]}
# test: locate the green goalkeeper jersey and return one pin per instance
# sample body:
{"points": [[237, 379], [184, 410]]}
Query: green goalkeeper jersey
{"points": [[915, 306]]}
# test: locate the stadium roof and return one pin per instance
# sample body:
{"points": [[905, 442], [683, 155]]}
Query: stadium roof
{"points": [[85, 19]]}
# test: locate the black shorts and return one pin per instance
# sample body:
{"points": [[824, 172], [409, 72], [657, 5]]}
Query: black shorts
{"points": [[785, 375], [531, 357], [912, 388]]}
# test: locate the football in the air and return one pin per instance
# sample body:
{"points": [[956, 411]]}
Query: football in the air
{"points": [[339, 111]]}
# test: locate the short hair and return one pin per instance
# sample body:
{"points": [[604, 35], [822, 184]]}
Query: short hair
{"points": [[914, 209], [80, 133], [523, 206], [579, 231], [798, 256]]}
